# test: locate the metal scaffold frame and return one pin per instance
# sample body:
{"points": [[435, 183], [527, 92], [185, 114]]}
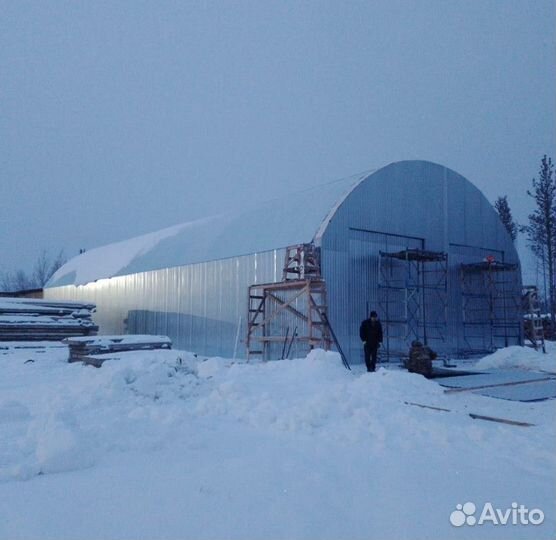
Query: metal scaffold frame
{"points": [[290, 313], [413, 298], [491, 310]]}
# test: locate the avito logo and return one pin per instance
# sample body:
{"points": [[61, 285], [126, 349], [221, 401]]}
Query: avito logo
{"points": [[518, 514]]}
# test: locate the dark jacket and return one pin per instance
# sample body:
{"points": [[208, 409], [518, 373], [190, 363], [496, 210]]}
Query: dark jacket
{"points": [[371, 332]]}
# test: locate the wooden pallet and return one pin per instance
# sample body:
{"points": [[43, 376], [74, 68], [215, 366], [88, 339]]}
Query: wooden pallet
{"points": [[23, 319], [82, 348], [49, 332]]}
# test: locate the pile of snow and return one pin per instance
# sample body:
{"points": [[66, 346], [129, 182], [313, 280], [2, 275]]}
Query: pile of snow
{"points": [[316, 396], [521, 357], [163, 444]]}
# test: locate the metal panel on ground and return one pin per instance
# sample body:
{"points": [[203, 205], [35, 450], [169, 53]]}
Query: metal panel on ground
{"points": [[511, 384]]}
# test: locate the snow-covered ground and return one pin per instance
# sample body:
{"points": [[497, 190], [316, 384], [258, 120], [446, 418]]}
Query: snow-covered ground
{"points": [[161, 444], [521, 357]]}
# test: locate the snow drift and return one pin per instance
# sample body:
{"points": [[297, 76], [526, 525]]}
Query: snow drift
{"points": [[163, 444], [521, 357]]}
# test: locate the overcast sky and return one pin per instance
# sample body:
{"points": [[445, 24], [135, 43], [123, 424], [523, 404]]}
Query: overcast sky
{"points": [[120, 118]]}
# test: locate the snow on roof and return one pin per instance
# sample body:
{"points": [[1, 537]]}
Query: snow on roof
{"points": [[107, 261], [289, 220]]}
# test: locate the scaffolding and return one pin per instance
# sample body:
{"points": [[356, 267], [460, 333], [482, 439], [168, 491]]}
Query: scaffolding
{"points": [[533, 327], [291, 314], [302, 261], [491, 305], [412, 298]]}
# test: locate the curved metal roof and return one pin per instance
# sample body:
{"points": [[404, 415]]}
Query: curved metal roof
{"points": [[293, 219], [417, 197]]}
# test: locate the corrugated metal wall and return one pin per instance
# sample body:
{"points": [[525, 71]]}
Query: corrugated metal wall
{"points": [[198, 306], [411, 205], [352, 277]]}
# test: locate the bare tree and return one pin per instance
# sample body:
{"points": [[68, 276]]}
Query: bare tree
{"points": [[59, 261], [4, 281], [15, 281], [43, 269]]}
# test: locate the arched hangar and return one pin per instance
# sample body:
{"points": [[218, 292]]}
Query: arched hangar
{"points": [[414, 240]]}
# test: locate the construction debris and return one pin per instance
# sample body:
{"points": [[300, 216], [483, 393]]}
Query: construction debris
{"points": [[420, 359], [82, 349], [500, 420], [497, 385], [475, 416], [34, 319]]}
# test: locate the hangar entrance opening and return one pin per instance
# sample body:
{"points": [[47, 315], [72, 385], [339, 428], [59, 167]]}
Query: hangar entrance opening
{"points": [[375, 285], [413, 298]]}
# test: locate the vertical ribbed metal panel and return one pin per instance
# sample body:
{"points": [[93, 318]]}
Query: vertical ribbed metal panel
{"points": [[406, 205], [198, 306], [352, 278]]}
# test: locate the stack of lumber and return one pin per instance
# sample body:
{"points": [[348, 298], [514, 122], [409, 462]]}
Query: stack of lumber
{"points": [[34, 319], [96, 350]]}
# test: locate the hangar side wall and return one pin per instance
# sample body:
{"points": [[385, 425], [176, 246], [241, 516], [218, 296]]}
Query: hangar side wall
{"points": [[198, 306]]}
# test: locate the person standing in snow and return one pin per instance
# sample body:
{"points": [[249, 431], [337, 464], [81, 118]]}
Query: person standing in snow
{"points": [[370, 333]]}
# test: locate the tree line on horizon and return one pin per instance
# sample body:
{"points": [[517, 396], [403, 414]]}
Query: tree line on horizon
{"points": [[43, 269]]}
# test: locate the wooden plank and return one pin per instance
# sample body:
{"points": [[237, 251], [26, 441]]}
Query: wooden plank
{"points": [[280, 308], [96, 362], [289, 308], [500, 420], [283, 285], [475, 416], [427, 406], [80, 350]]}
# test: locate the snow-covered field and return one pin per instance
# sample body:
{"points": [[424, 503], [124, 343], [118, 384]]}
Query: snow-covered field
{"points": [[165, 445]]}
